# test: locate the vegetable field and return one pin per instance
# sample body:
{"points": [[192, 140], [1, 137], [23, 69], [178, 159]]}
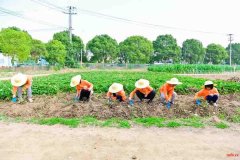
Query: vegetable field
{"points": [[193, 68], [101, 80]]}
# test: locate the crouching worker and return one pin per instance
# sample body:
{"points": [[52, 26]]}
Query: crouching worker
{"points": [[116, 92], [21, 84], [167, 92], [83, 87], [143, 91], [208, 93]]}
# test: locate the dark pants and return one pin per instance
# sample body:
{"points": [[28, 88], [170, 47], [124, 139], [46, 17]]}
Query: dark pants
{"points": [[84, 95], [212, 99], [150, 96], [119, 98]]}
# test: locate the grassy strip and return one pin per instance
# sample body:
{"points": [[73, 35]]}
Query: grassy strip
{"points": [[53, 84], [192, 68], [196, 122]]}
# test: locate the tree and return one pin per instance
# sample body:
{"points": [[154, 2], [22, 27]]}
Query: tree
{"points": [[135, 49], [104, 48], [73, 49], [193, 51], [38, 50], [56, 52], [235, 53], [215, 54], [166, 48], [15, 43]]}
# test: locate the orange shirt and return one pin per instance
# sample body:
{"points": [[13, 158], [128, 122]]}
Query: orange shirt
{"points": [[83, 84], [25, 86], [120, 93], [144, 91], [167, 90], [205, 92]]}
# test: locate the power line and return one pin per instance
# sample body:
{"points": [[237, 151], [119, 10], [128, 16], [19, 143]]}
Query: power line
{"points": [[46, 29], [12, 13], [49, 5], [97, 14]]}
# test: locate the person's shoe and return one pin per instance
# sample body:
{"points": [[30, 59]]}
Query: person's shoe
{"points": [[30, 100], [215, 105]]}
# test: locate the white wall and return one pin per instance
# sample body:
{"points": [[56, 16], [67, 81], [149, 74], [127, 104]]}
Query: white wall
{"points": [[5, 61]]}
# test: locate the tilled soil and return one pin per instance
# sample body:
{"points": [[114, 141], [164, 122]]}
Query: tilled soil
{"points": [[64, 106]]}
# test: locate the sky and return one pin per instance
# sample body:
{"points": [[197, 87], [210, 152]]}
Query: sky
{"points": [[206, 20]]}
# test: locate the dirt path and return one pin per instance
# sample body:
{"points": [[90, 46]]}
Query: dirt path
{"points": [[222, 76], [28, 142]]}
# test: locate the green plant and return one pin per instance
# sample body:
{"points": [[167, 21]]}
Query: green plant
{"points": [[173, 124], [150, 121], [221, 125]]}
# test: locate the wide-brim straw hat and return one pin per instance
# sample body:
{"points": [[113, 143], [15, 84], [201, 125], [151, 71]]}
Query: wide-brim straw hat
{"points": [[209, 83], [18, 80], [75, 80], [174, 81], [115, 87], [142, 83]]}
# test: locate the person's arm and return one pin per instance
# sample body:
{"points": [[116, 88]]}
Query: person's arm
{"points": [[124, 97], [164, 91], [14, 91], [148, 90], [27, 84], [198, 94], [89, 85], [133, 93], [216, 91], [170, 93], [108, 94]]}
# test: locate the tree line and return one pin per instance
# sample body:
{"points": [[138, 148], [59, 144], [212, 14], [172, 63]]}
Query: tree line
{"points": [[20, 46]]}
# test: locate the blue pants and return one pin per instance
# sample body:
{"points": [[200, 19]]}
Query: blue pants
{"points": [[212, 99]]}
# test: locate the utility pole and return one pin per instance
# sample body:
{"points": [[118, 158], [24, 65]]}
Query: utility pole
{"points": [[230, 48], [81, 57], [71, 11]]}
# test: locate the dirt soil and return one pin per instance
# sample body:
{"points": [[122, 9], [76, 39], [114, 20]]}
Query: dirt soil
{"points": [[34, 142], [64, 106]]}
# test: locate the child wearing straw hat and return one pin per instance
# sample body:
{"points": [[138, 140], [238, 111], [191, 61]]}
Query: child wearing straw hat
{"points": [[83, 87], [143, 91], [209, 93], [21, 84], [167, 92], [116, 92]]}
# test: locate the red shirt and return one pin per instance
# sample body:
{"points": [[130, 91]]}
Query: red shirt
{"points": [[25, 86], [144, 91], [120, 93], [167, 90]]}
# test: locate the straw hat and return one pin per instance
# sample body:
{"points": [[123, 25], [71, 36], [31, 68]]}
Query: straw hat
{"points": [[208, 83], [75, 80], [142, 83], [174, 81], [19, 80], [115, 87]]}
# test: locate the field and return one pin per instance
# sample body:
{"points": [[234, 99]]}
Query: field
{"points": [[93, 127]]}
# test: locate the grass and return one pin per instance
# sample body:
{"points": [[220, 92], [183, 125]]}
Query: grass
{"points": [[221, 125], [196, 122]]}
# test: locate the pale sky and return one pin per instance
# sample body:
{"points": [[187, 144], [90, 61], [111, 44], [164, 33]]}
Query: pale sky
{"points": [[216, 16]]}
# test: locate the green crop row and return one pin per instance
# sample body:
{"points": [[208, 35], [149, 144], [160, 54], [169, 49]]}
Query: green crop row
{"points": [[53, 84], [193, 68]]}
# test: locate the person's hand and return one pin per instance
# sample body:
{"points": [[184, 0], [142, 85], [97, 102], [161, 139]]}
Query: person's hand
{"points": [[131, 102], [198, 102], [145, 95], [168, 105], [76, 99]]}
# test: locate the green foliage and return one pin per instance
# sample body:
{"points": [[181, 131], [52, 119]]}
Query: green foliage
{"points": [[150, 121], [192, 51], [73, 49], [104, 48], [116, 122], [221, 125], [15, 43], [56, 52], [38, 50], [53, 84], [173, 124], [166, 48], [73, 122], [215, 54], [195, 122], [235, 53], [135, 49], [191, 68]]}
